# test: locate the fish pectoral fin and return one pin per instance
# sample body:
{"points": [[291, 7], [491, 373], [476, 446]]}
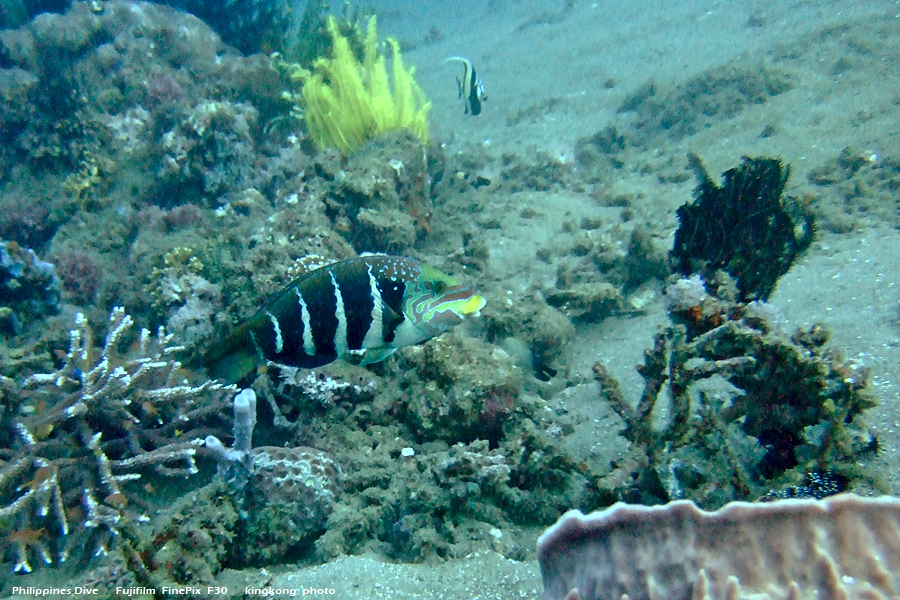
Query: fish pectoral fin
{"points": [[375, 355], [233, 366], [391, 318]]}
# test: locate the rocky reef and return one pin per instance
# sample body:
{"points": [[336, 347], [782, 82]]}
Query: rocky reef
{"points": [[441, 453], [29, 287], [157, 180]]}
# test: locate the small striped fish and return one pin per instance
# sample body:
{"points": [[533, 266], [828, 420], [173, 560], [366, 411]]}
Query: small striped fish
{"points": [[376, 303], [471, 88]]}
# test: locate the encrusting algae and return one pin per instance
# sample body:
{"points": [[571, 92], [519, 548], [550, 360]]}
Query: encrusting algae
{"points": [[347, 103]]}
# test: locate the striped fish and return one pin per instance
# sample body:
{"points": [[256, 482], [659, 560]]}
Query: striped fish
{"points": [[376, 303], [471, 88]]}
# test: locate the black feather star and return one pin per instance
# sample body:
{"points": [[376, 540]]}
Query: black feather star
{"points": [[743, 227]]}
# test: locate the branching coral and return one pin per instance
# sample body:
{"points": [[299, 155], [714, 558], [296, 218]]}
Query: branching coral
{"points": [[72, 440], [347, 103]]}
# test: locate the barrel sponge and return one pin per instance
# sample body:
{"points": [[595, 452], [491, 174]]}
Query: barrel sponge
{"points": [[843, 547], [347, 103]]}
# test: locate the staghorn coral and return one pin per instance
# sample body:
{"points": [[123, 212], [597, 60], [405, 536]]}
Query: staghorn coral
{"points": [[844, 547], [71, 442]]}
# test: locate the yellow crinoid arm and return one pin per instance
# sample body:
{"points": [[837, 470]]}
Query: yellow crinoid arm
{"points": [[410, 103], [348, 103]]}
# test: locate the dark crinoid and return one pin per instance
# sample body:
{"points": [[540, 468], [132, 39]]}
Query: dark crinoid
{"points": [[744, 227]]}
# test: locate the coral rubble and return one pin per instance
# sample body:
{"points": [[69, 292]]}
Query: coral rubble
{"points": [[194, 539], [748, 408], [857, 187], [149, 165], [442, 456], [284, 494], [380, 197], [722, 91]]}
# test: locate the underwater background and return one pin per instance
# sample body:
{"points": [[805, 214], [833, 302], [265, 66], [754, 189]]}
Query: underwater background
{"points": [[166, 169]]}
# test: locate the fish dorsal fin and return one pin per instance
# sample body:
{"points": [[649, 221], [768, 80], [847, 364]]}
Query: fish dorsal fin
{"points": [[461, 59], [308, 264]]}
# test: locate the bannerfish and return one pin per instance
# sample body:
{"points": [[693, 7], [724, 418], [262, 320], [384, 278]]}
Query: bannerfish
{"points": [[471, 88], [376, 303]]}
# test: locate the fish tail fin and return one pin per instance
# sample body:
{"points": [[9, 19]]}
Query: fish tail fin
{"points": [[233, 359]]}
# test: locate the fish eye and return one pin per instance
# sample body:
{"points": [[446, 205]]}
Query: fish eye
{"points": [[440, 287]]}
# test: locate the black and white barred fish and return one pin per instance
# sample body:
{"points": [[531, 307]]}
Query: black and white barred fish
{"points": [[471, 88], [376, 303]]}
